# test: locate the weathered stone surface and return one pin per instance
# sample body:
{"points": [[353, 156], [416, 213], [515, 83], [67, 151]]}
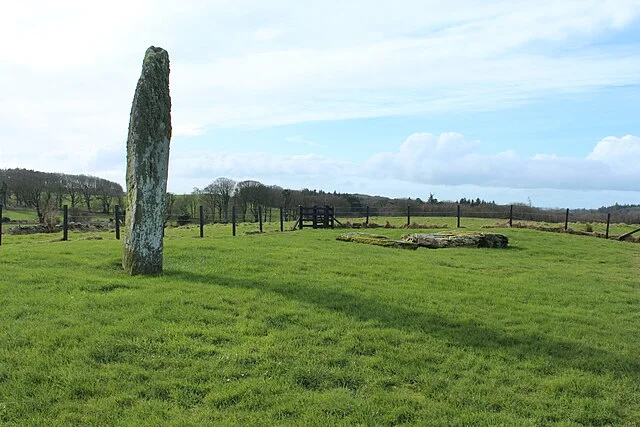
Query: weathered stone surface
{"points": [[374, 239], [446, 240], [148, 165]]}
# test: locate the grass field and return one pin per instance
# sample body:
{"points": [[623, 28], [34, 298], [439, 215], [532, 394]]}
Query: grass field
{"points": [[299, 329], [20, 214], [26, 214], [477, 223]]}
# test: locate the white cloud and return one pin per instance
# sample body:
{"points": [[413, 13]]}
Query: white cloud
{"points": [[252, 64], [407, 57], [621, 153], [68, 71], [449, 159]]}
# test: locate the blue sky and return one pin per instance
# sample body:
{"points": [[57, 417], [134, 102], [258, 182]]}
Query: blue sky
{"points": [[505, 100]]}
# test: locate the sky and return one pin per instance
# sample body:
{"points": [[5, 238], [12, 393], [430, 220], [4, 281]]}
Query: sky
{"points": [[512, 101]]}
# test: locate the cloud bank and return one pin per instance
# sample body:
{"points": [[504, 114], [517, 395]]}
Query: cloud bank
{"points": [[448, 159], [67, 76]]}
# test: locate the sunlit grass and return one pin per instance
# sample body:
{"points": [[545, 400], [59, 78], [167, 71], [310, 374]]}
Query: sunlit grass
{"points": [[297, 328]]}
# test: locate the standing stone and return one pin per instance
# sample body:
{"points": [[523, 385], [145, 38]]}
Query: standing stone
{"points": [[148, 165]]}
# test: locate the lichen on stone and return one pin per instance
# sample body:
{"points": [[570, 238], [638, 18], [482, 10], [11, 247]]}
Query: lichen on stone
{"points": [[148, 165]]}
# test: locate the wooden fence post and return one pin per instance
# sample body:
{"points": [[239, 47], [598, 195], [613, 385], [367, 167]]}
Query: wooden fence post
{"points": [[511, 216], [606, 234], [281, 220], [332, 216], [0, 225], [315, 216], [260, 217], [201, 221], [233, 220], [65, 223], [325, 219], [408, 215], [117, 215], [301, 221], [367, 220], [458, 215], [566, 220]]}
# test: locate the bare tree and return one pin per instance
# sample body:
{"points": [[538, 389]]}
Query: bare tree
{"points": [[88, 188], [18, 184], [223, 190], [208, 200], [73, 189], [105, 192], [37, 191], [251, 195], [57, 184]]}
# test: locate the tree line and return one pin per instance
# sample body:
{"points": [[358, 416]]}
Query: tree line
{"points": [[250, 196], [46, 192], [220, 195]]}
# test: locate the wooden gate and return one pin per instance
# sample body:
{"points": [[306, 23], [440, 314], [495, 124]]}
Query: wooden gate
{"points": [[316, 217]]}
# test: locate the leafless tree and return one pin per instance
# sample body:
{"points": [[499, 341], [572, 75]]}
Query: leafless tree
{"points": [[208, 200], [88, 188], [105, 192], [223, 190], [250, 195], [73, 189], [37, 192]]}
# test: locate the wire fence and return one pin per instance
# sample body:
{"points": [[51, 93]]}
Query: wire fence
{"points": [[454, 215], [284, 219], [497, 212]]}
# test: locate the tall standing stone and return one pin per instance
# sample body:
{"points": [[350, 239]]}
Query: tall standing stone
{"points": [[148, 165]]}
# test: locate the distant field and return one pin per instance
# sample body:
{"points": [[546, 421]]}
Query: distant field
{"points": [[297, 328], [31, 216], [450, 221], [474, 223], [20, 214]]}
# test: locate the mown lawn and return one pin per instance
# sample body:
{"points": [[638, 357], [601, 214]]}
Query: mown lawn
{"points": [[297, 328]]}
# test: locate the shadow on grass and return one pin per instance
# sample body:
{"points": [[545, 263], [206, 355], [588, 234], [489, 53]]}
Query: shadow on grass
{"points": [[564, 354]]}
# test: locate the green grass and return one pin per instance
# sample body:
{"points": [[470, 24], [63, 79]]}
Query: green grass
{"points": [[299, 329], [16, 214], [28, 214], [473, 223]]}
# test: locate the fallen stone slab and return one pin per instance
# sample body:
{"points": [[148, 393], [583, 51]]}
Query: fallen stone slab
{"points": [[450, 240], [374, 239]]}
